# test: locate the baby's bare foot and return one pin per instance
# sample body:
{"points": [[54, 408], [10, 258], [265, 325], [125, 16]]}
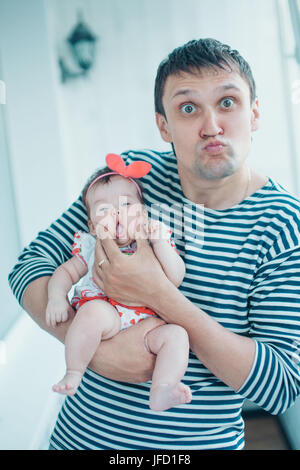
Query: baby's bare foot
{"points": [[69, 383], [165, 396]]}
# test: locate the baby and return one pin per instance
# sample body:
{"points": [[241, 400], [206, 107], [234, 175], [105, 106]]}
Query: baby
{"points": [[113, 199]]}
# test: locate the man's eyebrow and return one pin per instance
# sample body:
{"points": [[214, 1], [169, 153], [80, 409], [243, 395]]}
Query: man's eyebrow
{"points": [[229, 86], [188, 91], [183, 91]]}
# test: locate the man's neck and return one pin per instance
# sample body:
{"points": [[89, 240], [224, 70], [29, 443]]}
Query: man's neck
{"points": [[223, 193]]}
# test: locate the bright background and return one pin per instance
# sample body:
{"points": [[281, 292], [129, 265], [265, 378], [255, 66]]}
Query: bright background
{"points": [[53, 135]]}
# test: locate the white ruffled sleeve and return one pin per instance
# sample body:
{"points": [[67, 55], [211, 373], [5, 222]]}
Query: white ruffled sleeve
{"points": [[83, 246]]}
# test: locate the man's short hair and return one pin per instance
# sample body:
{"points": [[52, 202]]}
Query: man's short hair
{"points": [[196, 55]]}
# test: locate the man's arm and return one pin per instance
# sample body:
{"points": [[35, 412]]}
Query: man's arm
{"points": [[227, 355], [263, 367], [137, 364]]}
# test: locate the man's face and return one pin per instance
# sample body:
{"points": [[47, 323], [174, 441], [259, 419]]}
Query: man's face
{"points": [[209, 119]]}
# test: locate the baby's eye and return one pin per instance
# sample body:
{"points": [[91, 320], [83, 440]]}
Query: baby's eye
{"points": [[227, 103], [188, 108]]}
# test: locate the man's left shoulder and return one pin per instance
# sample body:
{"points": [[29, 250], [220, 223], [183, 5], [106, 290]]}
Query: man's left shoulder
{"points": [[282, 198]]}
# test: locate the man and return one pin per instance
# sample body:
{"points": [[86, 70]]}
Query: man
{"points": [[239, 301]]}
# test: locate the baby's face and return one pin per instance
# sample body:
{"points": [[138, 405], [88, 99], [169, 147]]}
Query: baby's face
{"points": [[117, 206]]}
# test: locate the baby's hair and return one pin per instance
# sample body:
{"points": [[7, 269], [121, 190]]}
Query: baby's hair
{"points": [[106, 179]]}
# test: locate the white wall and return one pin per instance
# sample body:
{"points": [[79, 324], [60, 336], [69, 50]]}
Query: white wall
{"points": [[27, 403], [9, 231], [32, 118], [31, 360]]}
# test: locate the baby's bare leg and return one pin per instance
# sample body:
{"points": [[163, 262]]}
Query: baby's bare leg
{"points": [[94, 321], [171, 345]]}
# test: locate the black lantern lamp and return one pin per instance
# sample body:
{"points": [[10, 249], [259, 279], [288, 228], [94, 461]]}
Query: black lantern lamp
{"points": [[82, 44]]}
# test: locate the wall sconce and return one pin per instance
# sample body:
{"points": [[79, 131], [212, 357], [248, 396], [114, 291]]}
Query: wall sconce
{"points": [[82, 45]]}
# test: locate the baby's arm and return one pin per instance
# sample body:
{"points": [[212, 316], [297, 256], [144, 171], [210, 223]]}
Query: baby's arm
{"points": [[59, 285], [169, 259]]}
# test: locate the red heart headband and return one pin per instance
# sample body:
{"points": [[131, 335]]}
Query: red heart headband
{"points": [[117, 165]]}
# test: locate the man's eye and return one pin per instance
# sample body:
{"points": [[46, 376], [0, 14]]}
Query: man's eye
{"points": [[227, 103], [188, 108]]}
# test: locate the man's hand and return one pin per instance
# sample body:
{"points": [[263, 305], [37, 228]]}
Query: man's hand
{"points": [[131, 280]]}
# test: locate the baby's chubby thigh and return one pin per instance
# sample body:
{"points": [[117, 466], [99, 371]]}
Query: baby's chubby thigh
{"points": [[99, 315]]}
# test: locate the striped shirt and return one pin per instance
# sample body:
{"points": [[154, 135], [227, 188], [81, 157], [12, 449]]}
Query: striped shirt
{"points": [[242, 268]]}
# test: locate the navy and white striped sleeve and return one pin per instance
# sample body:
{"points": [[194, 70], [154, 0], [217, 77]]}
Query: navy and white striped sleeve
{"points": [[274, 316], [50, 249]]}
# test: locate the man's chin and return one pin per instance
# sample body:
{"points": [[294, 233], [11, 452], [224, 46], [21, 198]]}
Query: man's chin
{"points": [[216, 170]]}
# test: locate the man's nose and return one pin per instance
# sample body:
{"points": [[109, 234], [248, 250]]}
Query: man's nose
{"points": [[209, 126]]}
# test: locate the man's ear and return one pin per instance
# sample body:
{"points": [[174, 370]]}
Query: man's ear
{"points": [[255, 116], [163, 127]]}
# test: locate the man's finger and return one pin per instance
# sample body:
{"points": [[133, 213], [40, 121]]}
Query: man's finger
{"points": [[99, 282], [110, 248], [96, 271]]}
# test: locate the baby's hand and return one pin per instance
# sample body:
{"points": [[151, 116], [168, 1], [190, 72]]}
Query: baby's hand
{"points": [[57, 311], [157, 231]]}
